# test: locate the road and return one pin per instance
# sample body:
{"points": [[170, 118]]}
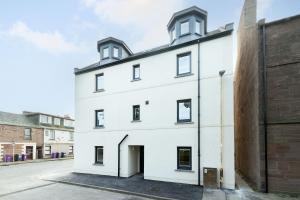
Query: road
{"points": [[25, 181]]}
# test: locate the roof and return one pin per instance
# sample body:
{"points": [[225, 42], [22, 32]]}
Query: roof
{"points": [[28, 113], [16, 119], [192, 10], [115, 40], [227, 30]]}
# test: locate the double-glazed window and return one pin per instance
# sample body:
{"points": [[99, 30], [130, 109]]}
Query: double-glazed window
{"points": [[56, 121], [27, 134], [184, 110], [136, 112], [68, 123], [198, 28], [105, 53], [71, 134], [99, 155], [52, 135], [116, 52], [184, 158], [45, 119], [184, 28], [99, 82], [184, 63], [99, 118], [136, 72]]}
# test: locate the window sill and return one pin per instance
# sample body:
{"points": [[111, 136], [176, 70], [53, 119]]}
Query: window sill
{"points": [[134, 80], [134, 121], [99, 127], [181, 123], [101, 90], [183, 75], [98, 164], [184, 170], [185, 34]]}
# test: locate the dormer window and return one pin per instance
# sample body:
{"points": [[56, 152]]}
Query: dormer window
{"points": [[116, 52], [105, 53], [184, 28], [198, 28]]}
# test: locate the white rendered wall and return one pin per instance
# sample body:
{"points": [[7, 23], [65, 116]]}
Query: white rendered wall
{"points": [[158, 131]]}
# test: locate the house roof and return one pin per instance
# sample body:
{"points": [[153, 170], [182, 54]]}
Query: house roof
{"points": [[115, 40], [16, 119], [221, 32]]}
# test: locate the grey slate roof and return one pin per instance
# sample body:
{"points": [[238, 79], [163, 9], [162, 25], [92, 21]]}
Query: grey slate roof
{"points": [[112, 39], [16, 119]]}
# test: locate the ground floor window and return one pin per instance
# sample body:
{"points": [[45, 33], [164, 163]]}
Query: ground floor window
{"points": [[47, 150], [184, 158], [99, 154], [71, 150]]}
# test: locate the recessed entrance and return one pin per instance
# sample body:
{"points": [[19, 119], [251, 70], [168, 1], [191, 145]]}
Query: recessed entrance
{"points": [[135, 159]]}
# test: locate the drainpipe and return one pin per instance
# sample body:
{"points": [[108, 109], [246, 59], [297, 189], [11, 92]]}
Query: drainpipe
{"points": [[119, 150], [221, 73], [199, 170], [263, 34]]}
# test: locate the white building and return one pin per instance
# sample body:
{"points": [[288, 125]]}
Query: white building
{"points": [[139, 113]]}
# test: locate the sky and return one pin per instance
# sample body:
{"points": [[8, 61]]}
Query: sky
{"points": [[41, 42]]}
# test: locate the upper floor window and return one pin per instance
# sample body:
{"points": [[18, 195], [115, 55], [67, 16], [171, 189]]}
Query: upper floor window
{"points": [[68, 123], [184, 158], [136, 72], [52, 135], [99, 118], [136, 113], [71, 134], [105, 53], [27, 134], [184, 110], [99, 82], [45, 119], [116, 52], [184, 63], [98, 154], [198, 28], [173, 34], [184, 28], [56, 121]]}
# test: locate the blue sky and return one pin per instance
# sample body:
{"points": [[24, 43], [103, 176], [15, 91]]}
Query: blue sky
{"points": [[42, 41]]}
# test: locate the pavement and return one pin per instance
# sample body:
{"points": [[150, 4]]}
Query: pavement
{"points": [[33, 161]]}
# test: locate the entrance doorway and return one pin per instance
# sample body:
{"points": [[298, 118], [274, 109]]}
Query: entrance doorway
{"points": [[29, 152], [135, 160]]}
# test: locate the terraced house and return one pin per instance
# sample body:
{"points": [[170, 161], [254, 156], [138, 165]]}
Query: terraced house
{"points": [[166, 113], [35, 135]]}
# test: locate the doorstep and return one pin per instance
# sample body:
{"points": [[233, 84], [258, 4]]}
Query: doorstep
{"points": [[135, 185]]}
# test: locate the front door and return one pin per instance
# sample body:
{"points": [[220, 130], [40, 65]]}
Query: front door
{"points": [[29, 152], [141, 159]]}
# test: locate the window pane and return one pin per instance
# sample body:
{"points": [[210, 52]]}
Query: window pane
{"points": [[56, 121], [105, 52], [136, 112], [49, 120], [136, 72], [99, 155], [198, 27], [184, 157], [184, 28], [116, 52], [100, 82], [184, 63], [173, 34], [184, 110], [100, 118], [43, 119]]}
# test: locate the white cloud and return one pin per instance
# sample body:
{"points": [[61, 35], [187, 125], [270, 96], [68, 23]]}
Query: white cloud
{"points": [[52, 42], [262, 7], [150, 17]]}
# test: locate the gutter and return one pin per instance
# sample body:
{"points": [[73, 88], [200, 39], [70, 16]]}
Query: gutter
{"points": [[119, 150], [198, 98]]}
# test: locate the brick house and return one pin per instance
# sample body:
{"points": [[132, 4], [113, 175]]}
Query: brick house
{"points": [[267, 102], [35, 135]]}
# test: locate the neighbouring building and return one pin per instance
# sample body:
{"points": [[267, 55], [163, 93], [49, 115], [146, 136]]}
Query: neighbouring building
{"points": [[166, 112], [267, 102], [35, 135]]}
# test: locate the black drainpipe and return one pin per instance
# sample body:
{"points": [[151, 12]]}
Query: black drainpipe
{"points": [[263, 34], [119, 154], [199, 112]]}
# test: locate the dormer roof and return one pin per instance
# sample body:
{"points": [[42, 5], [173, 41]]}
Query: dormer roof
{"points": [[113, 40]]}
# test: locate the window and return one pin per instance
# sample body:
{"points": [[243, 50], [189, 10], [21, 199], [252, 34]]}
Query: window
{"points": [[71, 134], [184, 158], [47, 150], [52, 135], [136, 112], [136, 72], [56, 121], [68, 123], [99, 82], [45, 119], [184, 110], [27, 134], [173, 34], [99, 154], [71, 150], [185, 28], [184, 64], [99, 118], [105, 53], [198, 28], [116, 52]]}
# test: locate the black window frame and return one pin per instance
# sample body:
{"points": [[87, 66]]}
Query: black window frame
{"points": [[189, 32], [30, 136], [96, 86], [180, 167], [183, 101], [96, 118], [134, 118], [96, 153], [133, 72], [183, 55]]}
